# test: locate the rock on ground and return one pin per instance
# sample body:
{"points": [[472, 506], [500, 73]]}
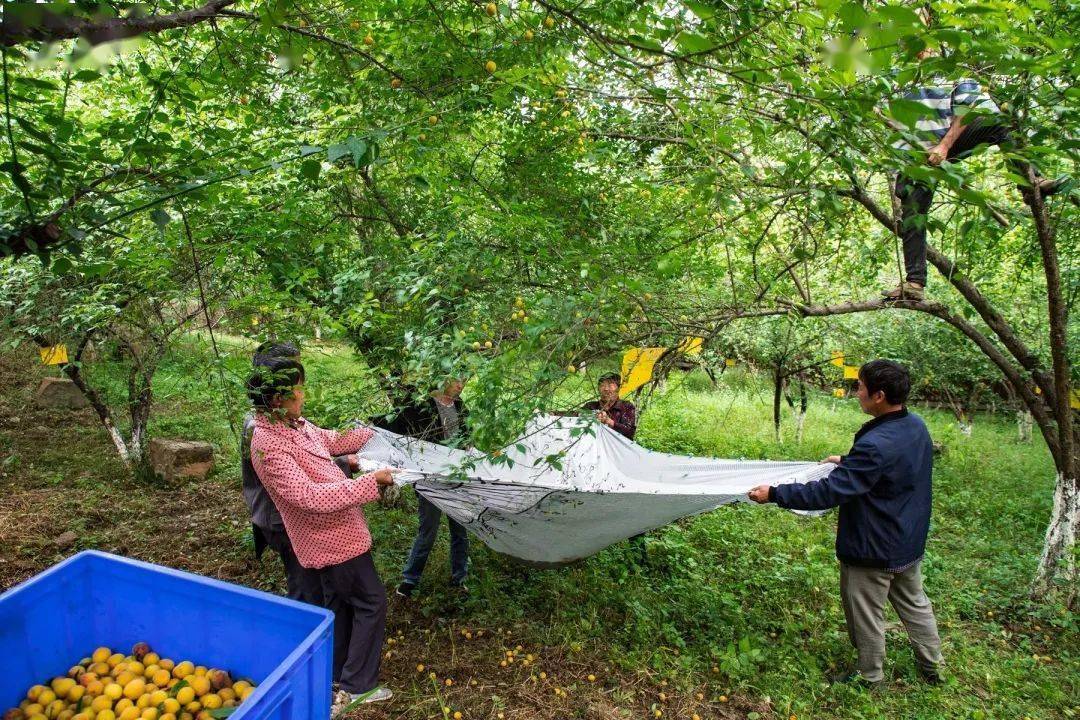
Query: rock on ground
{"points": [[175, 458], [56, 392]]}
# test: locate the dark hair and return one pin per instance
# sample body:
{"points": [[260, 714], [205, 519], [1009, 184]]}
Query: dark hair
{"points": [[890, 377], [610, 377], [271, 349], [277, 376]]}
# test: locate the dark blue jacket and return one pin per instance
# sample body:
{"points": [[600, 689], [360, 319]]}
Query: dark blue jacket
{"points": [[883, 489]]}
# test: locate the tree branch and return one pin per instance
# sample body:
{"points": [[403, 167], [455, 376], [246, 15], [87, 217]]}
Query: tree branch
{"points": [[42, 23]]}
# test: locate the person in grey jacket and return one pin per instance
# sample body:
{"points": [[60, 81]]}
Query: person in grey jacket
{"points": [[883, 489], [267, 528]]}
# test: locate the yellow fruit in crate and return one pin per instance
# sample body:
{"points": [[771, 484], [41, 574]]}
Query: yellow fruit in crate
{"points": [[161, 678], [185, 695], [95, 688], [33, 709], [134, 688], [166, 664], [75, 694], [122, 705], [193, 707], [101, 654], [34, 693], [172, 705], [211, 701], [45, 697], [144, 700], [101, 703], [113, 691], [150, 713], [106, 715], [123, 678], [151, 658], [115, 659], [55, 708], [61, 686], [227, 694], [101, 669], [37, 716], [167, 716], [247, 691], [200, 684], [65, 715], [131, 713], [136, 668], [200, 670], [182, 670], [157, 697]]}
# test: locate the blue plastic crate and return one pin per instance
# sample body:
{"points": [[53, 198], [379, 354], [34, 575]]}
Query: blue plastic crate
{"points": [[92, 599]]}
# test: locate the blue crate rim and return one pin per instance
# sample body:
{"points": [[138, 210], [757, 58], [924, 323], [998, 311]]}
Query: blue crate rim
{"points": [[279, 671]]}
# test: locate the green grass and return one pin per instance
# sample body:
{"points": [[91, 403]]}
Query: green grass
{"points": [[751, 591]]}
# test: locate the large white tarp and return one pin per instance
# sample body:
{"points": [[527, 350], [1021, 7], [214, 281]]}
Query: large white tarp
{"points": [[602, 488]]}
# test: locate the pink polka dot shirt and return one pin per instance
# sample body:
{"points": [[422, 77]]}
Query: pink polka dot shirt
{"points": [[318, 503]]}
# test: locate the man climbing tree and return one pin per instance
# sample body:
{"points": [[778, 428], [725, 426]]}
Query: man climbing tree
{"points": [[959, 118]]}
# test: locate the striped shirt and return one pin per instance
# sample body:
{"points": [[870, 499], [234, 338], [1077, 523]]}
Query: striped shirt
{"points": [[941, 103]]}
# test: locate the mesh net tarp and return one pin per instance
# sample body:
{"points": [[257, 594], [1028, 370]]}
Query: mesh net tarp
{"points": [[571, 487]]}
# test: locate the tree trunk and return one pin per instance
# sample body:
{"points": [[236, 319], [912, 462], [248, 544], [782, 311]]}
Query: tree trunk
{"points": [[1057, 566], [800, 416], [778, 389], [1024, 422]]}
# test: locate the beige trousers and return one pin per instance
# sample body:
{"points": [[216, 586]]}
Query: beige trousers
{"points": [[864, 592]]}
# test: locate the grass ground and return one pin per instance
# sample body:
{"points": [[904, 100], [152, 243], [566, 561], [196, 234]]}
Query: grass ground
{"points": [[733, 614]]}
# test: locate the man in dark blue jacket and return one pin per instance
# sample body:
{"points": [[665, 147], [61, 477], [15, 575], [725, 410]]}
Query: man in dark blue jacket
{"points": [[882, 487]]}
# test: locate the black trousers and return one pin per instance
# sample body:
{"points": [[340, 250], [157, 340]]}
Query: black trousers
{"points": [[357, 597], [301, 583], [916, 195]]}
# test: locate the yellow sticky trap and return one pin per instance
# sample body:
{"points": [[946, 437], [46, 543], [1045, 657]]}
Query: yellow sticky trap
{"points": [[53, 355], [730, 362], [691, 345], [637, 368], [851, 372], [839, 392], [837, 358]]}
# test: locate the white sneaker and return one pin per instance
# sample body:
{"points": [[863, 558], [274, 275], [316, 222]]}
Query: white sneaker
{"points": [[345, 701]]}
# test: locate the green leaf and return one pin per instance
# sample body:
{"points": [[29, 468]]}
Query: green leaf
{"points": [[336, 152], [306, 150], [702, 10], [160, 218], [223, 712], [692, 42], [311, 169], [358, 148], [86, 76]]}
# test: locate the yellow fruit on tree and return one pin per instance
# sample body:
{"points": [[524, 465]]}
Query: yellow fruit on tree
{"points": [[491, 8], [490, 66], [368, 40], [355, 24], [395, 83], [528, 34], [549, 22], [433, 120]]}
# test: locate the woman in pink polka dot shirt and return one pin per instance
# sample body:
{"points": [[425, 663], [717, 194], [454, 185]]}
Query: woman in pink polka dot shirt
{"points": [[320, 508]]}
